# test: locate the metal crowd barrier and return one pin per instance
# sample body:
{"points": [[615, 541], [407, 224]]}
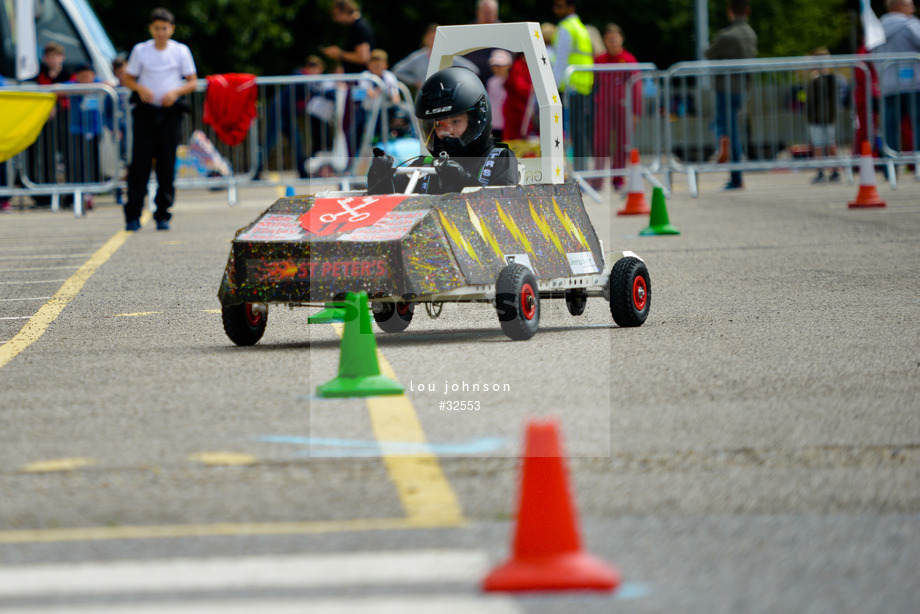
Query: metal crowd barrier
{"points": [[899, 103], [773, 122], [77, 153], [317, 127], [621, 113], [766, 101], [676, 132], [307, 127]]}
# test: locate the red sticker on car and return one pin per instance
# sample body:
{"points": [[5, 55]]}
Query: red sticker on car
{"points": [[330, 216]]}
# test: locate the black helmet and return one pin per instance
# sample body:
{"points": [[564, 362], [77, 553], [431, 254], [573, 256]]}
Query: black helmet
{"points": [[447, 93]]}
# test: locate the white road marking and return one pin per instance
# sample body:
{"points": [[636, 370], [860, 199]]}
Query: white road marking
{"points": [[387, 568], [41, 268], [380, 604], [46, 257]]}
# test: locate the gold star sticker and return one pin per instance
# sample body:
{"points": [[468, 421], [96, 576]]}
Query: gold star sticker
{"points": [[536, 34], [556, 118], [555, 99], [557, 171]]}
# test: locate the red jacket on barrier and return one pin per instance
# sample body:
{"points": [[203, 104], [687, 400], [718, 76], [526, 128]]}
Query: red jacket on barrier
{"points": [[230, 105]]}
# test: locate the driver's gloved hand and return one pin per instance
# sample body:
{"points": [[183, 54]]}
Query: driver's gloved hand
{"points": [[454, 177], [380, 174]]}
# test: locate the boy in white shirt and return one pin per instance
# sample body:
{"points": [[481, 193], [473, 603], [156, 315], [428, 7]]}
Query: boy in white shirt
{"points": [[160, 72]]}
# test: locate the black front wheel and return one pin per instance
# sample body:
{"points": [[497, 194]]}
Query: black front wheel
{"points": [[576, 300], [517, 301], [393, 317], [245, 323], [630, 291]]}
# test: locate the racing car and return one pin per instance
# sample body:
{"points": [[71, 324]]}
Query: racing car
{"points": [[512, 246]]}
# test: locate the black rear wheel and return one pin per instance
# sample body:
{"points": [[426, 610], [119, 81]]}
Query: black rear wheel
{"points": [[393, 317], [630, 291], [517, 301], [245, 323], [576, 300]]}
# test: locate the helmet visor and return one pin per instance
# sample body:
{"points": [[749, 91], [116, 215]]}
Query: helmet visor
{"points": [[454, 132]]}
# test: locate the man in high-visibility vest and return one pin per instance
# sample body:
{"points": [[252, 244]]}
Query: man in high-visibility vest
{"points": [[573, 48]]}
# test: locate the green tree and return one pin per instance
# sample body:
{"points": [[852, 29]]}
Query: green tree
{"points": [[270, 37]]}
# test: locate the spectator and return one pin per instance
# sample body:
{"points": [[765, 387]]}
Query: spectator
{"points": [[370, 92], [597, 40], [737, 41], [118, 69], [901, 81], [866, 114], [86, 123], [359, 38], [379, 67], [500, 61], [611, 128], [160, 72], [353, 56], [47, 154], [517, 109], [573, 48], [320, 106], [486, 12], [52, 66], [413, 69], [549, 35], [821, 109], [316, 99]]}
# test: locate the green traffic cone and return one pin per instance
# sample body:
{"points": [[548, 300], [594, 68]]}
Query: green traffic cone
{"points": [[359, 371], [332, 312], [659, 224]]}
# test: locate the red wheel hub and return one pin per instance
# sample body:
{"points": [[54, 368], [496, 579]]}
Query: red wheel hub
{"points": [[639, 293], [528, 302], [402, 308], [253, 317]]}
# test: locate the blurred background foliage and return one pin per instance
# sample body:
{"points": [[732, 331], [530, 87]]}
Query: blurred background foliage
{"points": [[271, 37]]}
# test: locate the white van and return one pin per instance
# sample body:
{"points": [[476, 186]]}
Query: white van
{"points": [[26, 26]]}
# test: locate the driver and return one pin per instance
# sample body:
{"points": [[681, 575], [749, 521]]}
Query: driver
{"points": [[456, 122]]}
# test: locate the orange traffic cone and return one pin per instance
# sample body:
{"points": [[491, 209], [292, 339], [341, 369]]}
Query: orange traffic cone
{"points": [[868, 193], [548, 554], [635, 197]]}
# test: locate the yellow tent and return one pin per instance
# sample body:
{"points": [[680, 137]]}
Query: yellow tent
{"points": [[22, 115]]}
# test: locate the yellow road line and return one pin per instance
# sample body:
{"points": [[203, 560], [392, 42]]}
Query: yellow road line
{"points": [[39, 323], [423, 488], [137, 314], [221, 529], [224, 459], [58, 464]]}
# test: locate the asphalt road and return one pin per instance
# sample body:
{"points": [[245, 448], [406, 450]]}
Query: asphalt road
{"points": [[754, 447]]}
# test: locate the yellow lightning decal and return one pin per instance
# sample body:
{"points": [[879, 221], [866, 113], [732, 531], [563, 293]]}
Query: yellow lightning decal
{"points": [[563, 219], [512, 226], [490, 239], [458, 238], [570, 226], [575, 231], [475, 220], [544, 227]]}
